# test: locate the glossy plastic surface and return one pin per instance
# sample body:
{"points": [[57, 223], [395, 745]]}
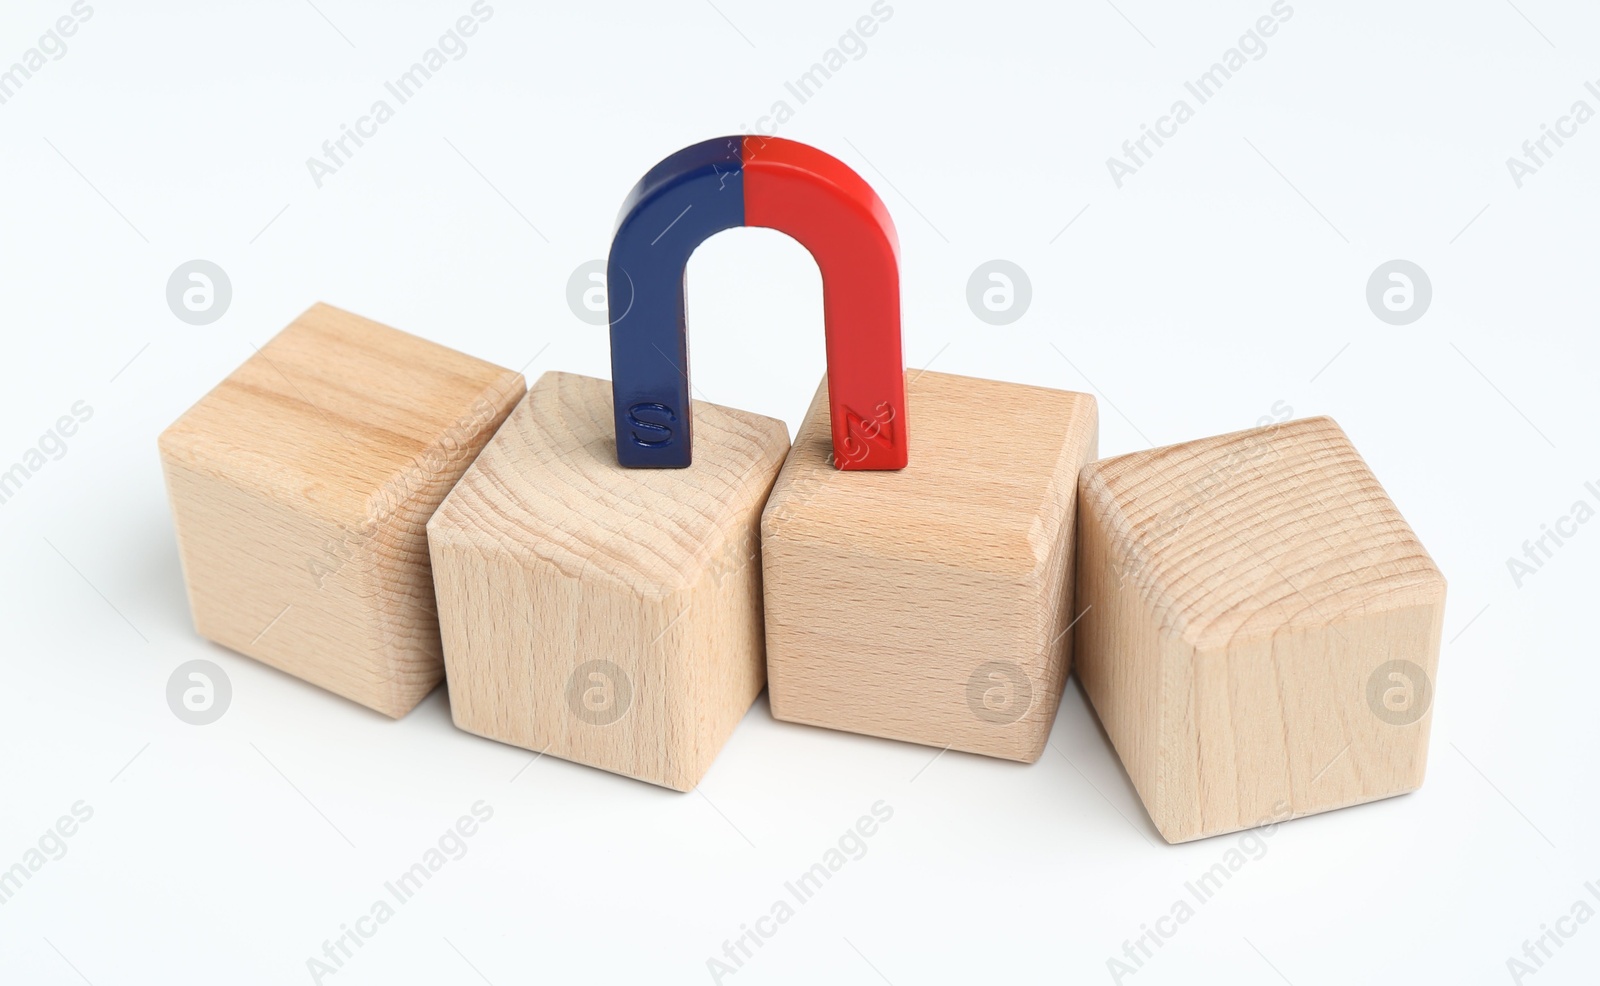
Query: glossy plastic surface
{"points": [[755, 181]]}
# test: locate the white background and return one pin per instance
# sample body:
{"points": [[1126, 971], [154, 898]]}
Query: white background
{"points": [[1226, 275]]}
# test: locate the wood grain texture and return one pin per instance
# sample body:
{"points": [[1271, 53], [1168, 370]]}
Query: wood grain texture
{"points": [[930, 604], [605, 615], [1245, 595], [301, 486]]}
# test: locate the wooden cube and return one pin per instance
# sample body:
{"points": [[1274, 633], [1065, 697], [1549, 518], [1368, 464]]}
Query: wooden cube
{"points": [[1262, 627], [605, 615], [300, 487], [931, 604]]}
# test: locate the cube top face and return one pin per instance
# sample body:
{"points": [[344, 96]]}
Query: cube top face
{"points": [[930, 604], [340, 417], [1257, 532], [549, 487], [978, 475]]}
